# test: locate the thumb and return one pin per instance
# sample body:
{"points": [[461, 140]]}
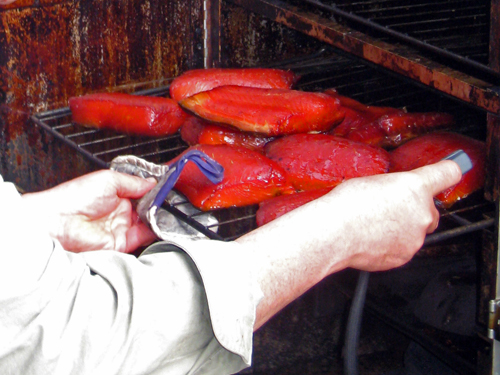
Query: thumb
{"points": [[133, 187], [440, 176]]}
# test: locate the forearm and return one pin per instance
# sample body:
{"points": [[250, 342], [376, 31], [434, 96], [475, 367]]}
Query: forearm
{"points": [[374, 224], [295, 252]]}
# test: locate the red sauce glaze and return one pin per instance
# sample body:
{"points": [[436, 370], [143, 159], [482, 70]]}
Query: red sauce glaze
{"points": [[315, 161], [196, 131], [385, 126], [357, 114], [431, 148], [198, 80], [129, 114], [249, 178], [272, 112], [273, 208]]}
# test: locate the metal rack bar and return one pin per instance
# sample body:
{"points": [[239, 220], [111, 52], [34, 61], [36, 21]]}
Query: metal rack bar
{"points": [[402, 60]]}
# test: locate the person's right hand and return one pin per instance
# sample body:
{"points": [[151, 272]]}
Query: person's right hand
{"points": [[390, 214], [371, 223]]}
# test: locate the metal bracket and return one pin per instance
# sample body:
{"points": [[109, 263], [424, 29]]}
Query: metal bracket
{"points": [[494, 320]]}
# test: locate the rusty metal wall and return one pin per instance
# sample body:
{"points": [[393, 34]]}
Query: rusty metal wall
{"points": [[248, 39], [52, 50]]}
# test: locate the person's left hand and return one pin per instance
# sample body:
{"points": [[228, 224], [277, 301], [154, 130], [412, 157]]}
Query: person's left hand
{"points": [[94, 212]]}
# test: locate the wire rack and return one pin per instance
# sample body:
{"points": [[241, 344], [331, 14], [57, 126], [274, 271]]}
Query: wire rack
{"points": [[319, 71]]}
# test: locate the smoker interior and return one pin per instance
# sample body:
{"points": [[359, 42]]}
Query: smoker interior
{"points": [[455, 242], [322, 70], [459, 27], [384, 51]]}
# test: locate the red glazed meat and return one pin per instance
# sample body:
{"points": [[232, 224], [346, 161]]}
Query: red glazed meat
{"points": [[271, 112], [129, 114], [196, 131], [249, 178], [273, 208], [198, 80], [315, 161], [431, 148], [385, 126], [357, 114]]}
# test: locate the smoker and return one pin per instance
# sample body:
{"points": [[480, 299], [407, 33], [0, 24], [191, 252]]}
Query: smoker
{"points": [[421, 55]]}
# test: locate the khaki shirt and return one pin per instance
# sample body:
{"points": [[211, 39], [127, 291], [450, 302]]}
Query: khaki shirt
{"points": [[183, 308]]}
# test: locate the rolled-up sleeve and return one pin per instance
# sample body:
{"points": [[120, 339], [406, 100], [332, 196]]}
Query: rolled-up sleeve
{"points": [[179, 308]]}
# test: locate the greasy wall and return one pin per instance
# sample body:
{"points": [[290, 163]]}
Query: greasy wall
{"points": [[52, 50], [248, 39]]}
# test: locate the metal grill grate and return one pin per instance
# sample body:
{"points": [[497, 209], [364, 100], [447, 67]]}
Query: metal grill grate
{"points": [[318, 72], [454, 31]]}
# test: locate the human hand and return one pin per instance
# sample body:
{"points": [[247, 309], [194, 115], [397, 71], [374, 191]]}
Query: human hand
{"points": [[393, 213], [370, 223], [94, 212]]}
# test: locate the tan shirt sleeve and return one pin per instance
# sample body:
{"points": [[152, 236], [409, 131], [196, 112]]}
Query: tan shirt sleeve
{"points": [[177, 309]]}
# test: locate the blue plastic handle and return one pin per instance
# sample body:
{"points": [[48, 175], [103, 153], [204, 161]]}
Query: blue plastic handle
{"points": [[210, 168], [462, 159]]}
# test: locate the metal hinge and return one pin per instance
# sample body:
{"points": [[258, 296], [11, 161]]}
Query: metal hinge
{"points": [[494, 320]]}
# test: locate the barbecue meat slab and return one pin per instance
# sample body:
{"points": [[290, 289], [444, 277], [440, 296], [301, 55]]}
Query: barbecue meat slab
{"points": [[315, 161], [385, 126], [357, 114], [198, 80], [272, 112], [273, 208], [431, 148], [197, 131], [249, 178], [129, 114]]}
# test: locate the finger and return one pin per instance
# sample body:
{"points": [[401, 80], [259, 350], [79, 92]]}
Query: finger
{"points": [[440, 176], [435, 222], [131, 186], [137, 236]]}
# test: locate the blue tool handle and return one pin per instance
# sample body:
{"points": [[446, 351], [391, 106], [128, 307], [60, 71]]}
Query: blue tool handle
{"points": [[210, 168], [462, 159]]}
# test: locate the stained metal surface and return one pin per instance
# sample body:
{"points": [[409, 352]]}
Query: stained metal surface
{"points": [[248, 39], [52, 50], [212, 30], [458, 29], [494, 47], [397, 58]]}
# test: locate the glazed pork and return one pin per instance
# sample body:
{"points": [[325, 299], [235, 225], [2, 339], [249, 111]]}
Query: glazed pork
{"points": [[127, 113], [431, 148], [272, 112], [197, 131], [315, 161], [198, 80], [249, 178]]}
